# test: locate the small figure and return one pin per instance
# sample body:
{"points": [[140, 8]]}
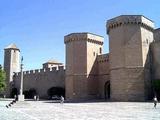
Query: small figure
{"points": [[62, 99], [155, 101], [15, 96], [35, 97]]}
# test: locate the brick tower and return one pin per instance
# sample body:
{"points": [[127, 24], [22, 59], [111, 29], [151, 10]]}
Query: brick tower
{"points": [[11, 65], [129, 40], [81, 52]]}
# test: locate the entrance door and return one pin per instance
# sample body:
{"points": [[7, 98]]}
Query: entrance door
{"points": [[107, 90]]}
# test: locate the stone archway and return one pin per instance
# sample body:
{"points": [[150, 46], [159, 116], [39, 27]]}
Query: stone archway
{"points": [[107, 90]]}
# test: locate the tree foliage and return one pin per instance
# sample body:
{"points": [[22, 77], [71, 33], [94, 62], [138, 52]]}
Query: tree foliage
{"points": [[58, 91], [14, 92], [2, 79], [29, 94], [32, 92]]}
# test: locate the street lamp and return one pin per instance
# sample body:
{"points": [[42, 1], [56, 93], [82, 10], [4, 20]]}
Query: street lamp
{"points": [[21, 96]]}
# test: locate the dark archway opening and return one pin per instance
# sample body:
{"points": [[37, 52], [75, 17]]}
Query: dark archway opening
{"points": [[107, 90], [56, 91]]}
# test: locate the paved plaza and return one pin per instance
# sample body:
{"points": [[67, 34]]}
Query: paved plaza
{"points": [[49, 110]]}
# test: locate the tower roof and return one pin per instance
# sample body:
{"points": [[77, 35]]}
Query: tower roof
{"points": [[52, 61], [12, 46]]}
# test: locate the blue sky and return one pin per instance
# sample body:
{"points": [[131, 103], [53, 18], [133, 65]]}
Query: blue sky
{"points": [[38, 27]]}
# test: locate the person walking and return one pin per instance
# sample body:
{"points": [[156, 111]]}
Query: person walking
{"points": [[155, 101], [62, 99]]}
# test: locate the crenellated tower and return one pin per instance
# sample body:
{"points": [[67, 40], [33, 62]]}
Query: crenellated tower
{"points": [[11, 65], [155, 48], [82, 50], [129, 41]]}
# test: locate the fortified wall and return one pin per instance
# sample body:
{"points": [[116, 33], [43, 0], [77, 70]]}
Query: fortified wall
{"points": [[126, 73], [103, 75], [41, 79], [87, 68]]}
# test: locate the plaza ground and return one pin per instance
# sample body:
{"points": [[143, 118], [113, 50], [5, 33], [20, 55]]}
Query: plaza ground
{"points": [[51, 110]]}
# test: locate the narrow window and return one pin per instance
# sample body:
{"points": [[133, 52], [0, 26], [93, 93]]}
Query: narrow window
{"points": [[94, 53], [100, 50]]}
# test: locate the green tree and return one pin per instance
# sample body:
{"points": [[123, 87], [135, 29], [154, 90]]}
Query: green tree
{"points": [[58, 91], [2, 79]]}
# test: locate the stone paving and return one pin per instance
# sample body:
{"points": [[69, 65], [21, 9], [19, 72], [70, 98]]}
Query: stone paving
{"points": [[49, 110]]}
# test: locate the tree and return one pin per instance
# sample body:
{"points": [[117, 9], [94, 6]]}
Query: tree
{"points": [[29, 94], [14, 92], [2, 79], [32, 92], [58, 91]]}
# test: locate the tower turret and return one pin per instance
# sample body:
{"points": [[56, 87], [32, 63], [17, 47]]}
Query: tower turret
{"points": [[129, 40], [11, 64], [81, 52]]}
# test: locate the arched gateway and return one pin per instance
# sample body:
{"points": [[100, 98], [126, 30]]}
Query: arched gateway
{"points": [[107, 90]]}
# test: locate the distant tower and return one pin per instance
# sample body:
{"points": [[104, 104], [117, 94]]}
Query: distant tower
{"points": [[11, 64], [81, 52], [129, 40]]}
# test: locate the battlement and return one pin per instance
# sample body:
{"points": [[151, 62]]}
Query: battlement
{"points": [[103, 58], [85, 36], [38, 71], [130, 19]]}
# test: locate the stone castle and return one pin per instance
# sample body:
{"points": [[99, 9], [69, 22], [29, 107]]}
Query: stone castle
{"points": [[126, 73]]}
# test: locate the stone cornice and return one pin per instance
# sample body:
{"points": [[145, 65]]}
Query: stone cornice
{"points": [[12, 49], [83, 37], [79, 39], [129, 20]]}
